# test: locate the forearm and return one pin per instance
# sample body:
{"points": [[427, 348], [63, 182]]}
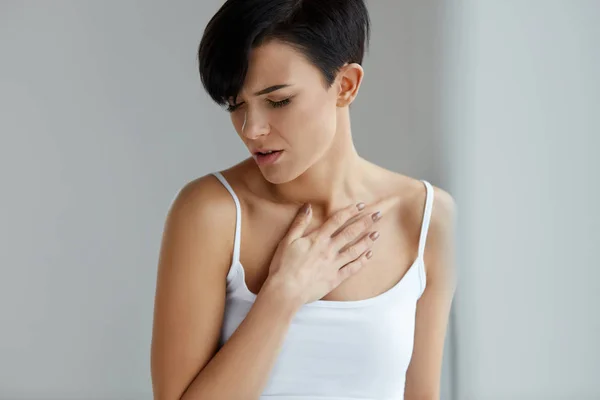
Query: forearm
{"points": [[240, 369]]}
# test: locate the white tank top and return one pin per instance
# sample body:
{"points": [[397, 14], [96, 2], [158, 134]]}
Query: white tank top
{"points": [[338, 350]]}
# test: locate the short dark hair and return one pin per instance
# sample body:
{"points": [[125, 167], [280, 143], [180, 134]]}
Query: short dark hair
{"points": [[329, 33]]}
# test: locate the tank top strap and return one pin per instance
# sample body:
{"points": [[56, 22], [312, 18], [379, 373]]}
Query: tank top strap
{"points": [[238, 218], [426, 217], [423, 235]]}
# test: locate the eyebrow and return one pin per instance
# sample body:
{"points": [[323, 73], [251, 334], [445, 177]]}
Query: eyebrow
{"points": [[271, 89]]}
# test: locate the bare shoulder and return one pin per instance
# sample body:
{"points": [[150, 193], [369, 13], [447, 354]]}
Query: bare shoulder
{"points": [[440, 239], [202, 200], [195, 257], [439, 249], [433, 306], [413, 194], [201, 217]]}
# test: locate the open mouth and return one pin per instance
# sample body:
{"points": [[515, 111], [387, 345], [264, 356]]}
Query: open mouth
{"points": [[267, 157]]}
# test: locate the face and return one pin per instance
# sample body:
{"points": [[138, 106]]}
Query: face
{"points": [[284, 106]]}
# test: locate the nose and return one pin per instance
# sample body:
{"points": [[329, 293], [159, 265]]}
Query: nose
{"points": [[254, 125]]}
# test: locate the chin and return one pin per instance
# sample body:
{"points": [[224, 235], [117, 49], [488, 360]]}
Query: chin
{"points": [[278, 174], [276, 177]]}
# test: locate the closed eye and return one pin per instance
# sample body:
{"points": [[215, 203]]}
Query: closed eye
{"points": [[274, 104], [232, 107], [277, 104]]}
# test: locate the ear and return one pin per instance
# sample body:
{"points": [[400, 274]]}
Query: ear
{"points": [[349, 79]]}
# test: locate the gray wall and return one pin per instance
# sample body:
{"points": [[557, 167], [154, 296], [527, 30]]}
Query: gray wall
{"points": [[102, 120], [522, 98]]}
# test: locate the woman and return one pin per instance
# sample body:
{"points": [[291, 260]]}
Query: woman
{"points": [[301, 272]]}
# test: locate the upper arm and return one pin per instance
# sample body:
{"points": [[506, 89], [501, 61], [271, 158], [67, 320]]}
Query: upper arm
{"points": [[195, 256], [433, 308]]}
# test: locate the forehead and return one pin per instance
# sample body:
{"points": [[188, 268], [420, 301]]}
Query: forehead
{"points": [[276, 63]]}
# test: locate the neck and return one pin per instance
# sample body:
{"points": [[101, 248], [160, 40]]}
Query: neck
{"points": [[333, 182]]}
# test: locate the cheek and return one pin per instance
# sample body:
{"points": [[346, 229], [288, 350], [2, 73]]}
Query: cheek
{"points": [[323, 120], [313, 122]]}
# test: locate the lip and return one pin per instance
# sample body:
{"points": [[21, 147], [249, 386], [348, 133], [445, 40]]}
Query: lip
{"points": [[267, 159], [258, 151]]}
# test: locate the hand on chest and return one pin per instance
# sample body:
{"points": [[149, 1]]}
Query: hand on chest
{"points": [[393, 253]]}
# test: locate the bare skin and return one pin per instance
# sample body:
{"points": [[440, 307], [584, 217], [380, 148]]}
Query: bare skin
{"points": [[320, 166], [265, 222]]}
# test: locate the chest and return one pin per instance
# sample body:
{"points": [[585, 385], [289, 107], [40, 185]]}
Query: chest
{"points": [[393, 253], [359, 350]]}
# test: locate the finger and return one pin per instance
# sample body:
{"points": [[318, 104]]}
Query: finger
{"points": [[300, 223], [353, 267], [354, 230], [337, 220], [355, 250]]}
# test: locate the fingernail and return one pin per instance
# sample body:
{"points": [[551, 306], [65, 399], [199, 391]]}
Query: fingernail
{"points": [[360, 206], [374, 235], [376, 216], [306, 208], [369, 254]]}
